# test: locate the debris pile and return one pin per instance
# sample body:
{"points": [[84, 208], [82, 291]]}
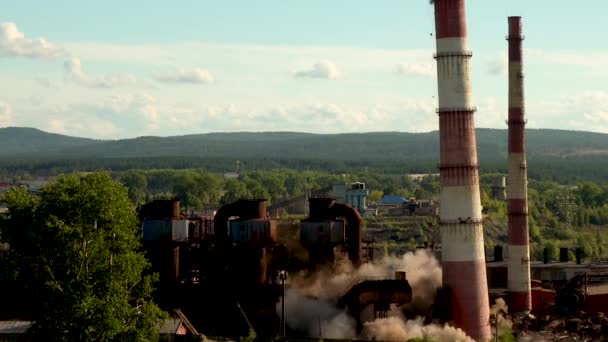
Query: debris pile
{"points": [[578, 327]]}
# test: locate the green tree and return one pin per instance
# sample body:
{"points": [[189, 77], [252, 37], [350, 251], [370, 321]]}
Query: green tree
{"points": [[196, 189], [234, 190], [137, 184], [375, 196], [78, 247], [188, 191], [255, 189]]}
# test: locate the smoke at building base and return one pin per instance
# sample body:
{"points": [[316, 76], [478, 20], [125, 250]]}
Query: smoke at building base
{"points": [[311, 301]]}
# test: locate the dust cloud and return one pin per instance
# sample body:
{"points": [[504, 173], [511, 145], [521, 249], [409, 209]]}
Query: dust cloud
{"points": [[310, 303], [398, 329]]}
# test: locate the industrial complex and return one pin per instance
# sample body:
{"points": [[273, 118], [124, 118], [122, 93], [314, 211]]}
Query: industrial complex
{"points": [[239, 268]]}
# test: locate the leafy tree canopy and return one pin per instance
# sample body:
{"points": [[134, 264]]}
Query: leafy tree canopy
{"points": [[78, 247]]}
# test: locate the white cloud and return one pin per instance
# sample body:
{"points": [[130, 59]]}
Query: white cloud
{"points": [[14, 43], [75, 73], [323, 69], [6, 118], [584, 111], [194, 76], [116, 116], [592, 105], [592, 62], [263, 96], [498, 66], [246, 54], [129, 115], [46, 82], [73, 68], [491, 114], [416, 69], [138, 110], [85, 126]]}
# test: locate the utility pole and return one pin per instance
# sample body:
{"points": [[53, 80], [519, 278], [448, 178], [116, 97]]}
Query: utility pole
{"points": [[306, 196], [283, 277], [320, 331]]}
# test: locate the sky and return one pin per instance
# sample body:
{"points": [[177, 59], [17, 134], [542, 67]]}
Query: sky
{"points": [[119, 69]]}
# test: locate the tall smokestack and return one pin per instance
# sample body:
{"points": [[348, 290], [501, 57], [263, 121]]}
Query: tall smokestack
{"points": [[517, 190], [464, 269]]}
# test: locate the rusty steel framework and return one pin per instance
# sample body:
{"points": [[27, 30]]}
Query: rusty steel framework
{"points": [[326, 209], [517, 189], [463, 258]]}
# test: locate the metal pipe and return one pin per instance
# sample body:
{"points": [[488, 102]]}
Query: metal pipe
{"points": [[463, 257], [283, 277], [519, 284]]}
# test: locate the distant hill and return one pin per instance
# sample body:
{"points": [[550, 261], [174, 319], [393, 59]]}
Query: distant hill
{"points": [[492, 144], [24, 140], [571, 149]]}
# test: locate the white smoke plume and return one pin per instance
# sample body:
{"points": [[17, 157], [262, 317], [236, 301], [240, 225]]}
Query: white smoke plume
{"points": [[397, 329], [423, 273], [317, 317], [310, 303], [500, 311]]}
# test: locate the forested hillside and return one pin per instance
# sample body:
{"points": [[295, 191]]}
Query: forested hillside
{"points": [[564, 156], [23, 142]]}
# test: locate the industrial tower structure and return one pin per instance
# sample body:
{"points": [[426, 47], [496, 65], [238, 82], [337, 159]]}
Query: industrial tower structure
{"points": [[517, 189], [463, 257]]}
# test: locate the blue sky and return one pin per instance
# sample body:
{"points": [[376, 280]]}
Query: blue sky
{"points": [[117, 69]]}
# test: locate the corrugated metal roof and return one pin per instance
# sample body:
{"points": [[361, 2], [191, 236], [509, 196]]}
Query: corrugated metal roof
{"points": [[393, 199], [14, 327]]}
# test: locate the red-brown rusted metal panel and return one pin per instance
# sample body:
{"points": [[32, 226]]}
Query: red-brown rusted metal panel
{"points": [[160, 209], [319, 207], [596, 303], [326, 209], [243, 209], [520, 300], [450, 19], [353, 232], [542, 299]]}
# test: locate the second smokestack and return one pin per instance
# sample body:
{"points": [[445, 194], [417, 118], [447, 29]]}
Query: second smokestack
{"points": [[517, 189]]}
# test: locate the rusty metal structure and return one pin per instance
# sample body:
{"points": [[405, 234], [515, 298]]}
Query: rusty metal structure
{"points": [[164, 231], [380, 293], [328, 226], [463, 257], [584, 292], [160, 208], [238, 258], [218, 272], [517, 191], [243, 210]]}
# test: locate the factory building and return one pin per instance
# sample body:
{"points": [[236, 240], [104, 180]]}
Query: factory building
{"points": [[561, 286], [353, 194]]}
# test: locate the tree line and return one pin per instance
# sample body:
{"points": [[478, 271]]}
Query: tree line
{"points": [[554, 168]]}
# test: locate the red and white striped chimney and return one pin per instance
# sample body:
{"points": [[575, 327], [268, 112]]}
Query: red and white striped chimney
{"points": [[463, 257], [517, 190]]}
